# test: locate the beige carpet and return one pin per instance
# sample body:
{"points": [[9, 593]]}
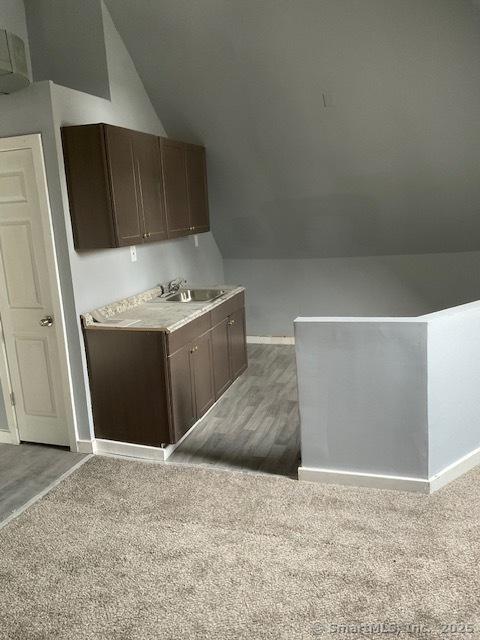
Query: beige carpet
{"points": [[127, 550]]}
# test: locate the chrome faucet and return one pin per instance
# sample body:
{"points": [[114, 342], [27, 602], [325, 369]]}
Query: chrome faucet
{"points": [[174, 285]]}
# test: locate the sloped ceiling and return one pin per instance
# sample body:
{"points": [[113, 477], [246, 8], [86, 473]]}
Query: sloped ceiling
{"points": [[333, 127]]}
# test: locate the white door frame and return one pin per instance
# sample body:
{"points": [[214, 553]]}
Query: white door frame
{"points": [[11, 436], [34, 142]]}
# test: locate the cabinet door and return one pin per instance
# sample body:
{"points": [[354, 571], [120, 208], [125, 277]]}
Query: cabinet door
{"points": [[182, 393], [202, 366], [237, 343], [197, 188], [221, 357], [150, 186], [175, 185], [129, 228]]}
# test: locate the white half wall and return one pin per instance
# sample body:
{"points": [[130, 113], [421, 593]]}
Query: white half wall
{"points": [[363, 395], [453, 385], [390, 402]]}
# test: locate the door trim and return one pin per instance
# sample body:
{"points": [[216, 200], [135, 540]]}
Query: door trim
{"points": [[11, 435], [34, 143]]}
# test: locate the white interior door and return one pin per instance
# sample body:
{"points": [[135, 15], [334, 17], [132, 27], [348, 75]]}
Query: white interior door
{"points": [[31, 333]]}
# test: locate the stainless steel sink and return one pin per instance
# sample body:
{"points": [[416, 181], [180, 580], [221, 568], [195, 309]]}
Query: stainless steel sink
{"points": [[194, 295]]}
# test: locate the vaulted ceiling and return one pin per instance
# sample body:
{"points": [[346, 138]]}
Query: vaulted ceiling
{"points": [[333, 127]]}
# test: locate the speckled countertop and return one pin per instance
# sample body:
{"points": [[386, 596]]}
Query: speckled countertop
{"points": [[147, 311]]}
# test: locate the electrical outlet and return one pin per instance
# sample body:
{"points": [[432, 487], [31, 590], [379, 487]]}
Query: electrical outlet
{"points": [[133, 253]]}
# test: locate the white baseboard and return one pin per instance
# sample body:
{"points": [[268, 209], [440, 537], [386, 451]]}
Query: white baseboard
{"points": [[6, 437], [363, 479], [430, 485], [85, 446], [454, 470], [270, 340], [128, 450]]}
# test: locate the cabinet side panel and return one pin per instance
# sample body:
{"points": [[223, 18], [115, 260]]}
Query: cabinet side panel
{"points": [[88, 189], [128, 385]]}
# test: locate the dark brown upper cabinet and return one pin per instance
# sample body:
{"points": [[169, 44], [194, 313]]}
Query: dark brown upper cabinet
{"points": [[127, 187], [150, 186], [186, 193], [197, 188], [176, 190]]}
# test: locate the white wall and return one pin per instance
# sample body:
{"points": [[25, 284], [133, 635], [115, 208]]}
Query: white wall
{"points": [[363, 395], [391, 396], [12, 18], [453, 386], [280, 290]]}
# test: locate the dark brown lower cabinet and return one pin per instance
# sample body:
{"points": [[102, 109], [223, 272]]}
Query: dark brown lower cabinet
{"points": [[150, 387], [201, 360], [221, 357], [127, 374], [182, 392], [191, 380], [237, 343]]}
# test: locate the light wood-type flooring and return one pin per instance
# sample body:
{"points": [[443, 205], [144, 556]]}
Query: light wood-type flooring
{"points": [[255, 425], [28, 469]]}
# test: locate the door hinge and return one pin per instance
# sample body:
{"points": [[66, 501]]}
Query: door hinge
{"points": [[12, 398]]}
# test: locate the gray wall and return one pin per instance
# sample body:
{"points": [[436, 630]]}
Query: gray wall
{"points": [[92, 279], [103, 276], [12, 18], [391, 168], [280, 290], [67, 44]]}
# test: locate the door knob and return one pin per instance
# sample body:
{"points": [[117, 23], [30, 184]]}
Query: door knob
{"points": [[47, 321]]}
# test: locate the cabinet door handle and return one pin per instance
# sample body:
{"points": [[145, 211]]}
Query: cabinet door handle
{"points": [[193, 349], [231, 322], [145, 235]]}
